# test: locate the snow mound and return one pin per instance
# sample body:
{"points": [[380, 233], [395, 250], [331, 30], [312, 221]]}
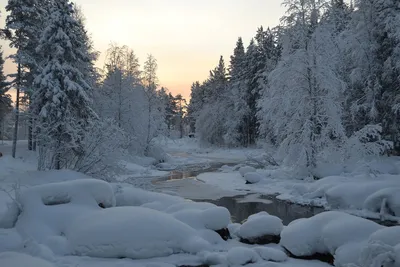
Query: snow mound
{"points": [[82, 191], [241, 256], [388, 199], [352, 195], [48, 209], [132, 232], [234, 228], [388, 235], [215, 218], [253, 177], [246, 169], [325, 233], [14, 259], [131, 196], [10, 239], [260, 224], [189, 205], [271, 254]]}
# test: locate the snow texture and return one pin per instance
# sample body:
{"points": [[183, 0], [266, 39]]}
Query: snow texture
{"points": [[260, 224], [246, 169], [14, 259], [325, 233], [253, 177], [390, 197], [271, 254], [132, 232], [242, 256]]}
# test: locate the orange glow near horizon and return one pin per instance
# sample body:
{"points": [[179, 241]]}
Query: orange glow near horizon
{"points": [[185, 36]]}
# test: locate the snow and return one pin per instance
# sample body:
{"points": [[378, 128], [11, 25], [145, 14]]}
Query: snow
{"points": [[388, 235], [130, 196], [253, 177], [14, 259], [132, 232], [325, 233], [48, 209], [391, 196], [241, 256], [271, 254], [260, 224], [215, 218], [246, 169], [10, 239]]}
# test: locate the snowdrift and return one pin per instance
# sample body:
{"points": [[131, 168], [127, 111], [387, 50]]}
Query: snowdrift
{"points": [[132, 232]]}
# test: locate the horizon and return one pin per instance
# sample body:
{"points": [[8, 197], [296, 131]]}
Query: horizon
{"points": [[175, 33]]}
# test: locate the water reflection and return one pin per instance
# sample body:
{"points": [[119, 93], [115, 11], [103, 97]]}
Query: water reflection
{"points": [[288, 212]]}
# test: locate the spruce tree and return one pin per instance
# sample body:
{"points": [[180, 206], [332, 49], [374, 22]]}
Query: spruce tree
{"points": [[61, 99]]}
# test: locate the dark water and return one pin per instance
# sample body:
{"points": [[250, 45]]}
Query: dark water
{"points": [[288, 212]]}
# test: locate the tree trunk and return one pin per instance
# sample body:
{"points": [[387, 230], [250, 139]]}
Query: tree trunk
{"points": [[14, 147]]}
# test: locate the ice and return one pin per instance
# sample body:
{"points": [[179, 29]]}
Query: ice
{"points": [[241, 256], [189, 205], [15, 259], [253, 177], [246, 169], [132, 232], [391, 199], [259, 225]]}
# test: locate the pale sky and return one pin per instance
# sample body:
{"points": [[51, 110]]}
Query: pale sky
{"points": [[186, 36]]}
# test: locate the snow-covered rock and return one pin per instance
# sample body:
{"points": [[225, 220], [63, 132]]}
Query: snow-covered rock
{"points": [[261, 228], [234, 228], [246, 169], [271, 254], [15, 259], [241, 256], [215, 218], [352, 195], [83, 191], [325, 233], [132, 232], [253, 177], [387, 235], [390, 197]]}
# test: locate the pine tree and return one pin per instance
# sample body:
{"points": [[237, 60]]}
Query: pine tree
{"points": [[61, 100], [5, 99], [26, 20]]}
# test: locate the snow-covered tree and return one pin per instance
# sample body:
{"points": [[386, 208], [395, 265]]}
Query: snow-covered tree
{"points": [[61, 100], [26, 21], [210, 122], [302, 103], [5, 98]]}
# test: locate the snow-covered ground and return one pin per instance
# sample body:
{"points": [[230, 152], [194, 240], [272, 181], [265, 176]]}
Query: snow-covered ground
{"points": [[64, 218]]}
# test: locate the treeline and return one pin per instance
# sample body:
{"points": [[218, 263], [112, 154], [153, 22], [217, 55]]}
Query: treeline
{"points": [[322, 86], [80, 117]]}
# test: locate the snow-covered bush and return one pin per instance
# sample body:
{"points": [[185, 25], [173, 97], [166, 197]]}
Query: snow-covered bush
{"points": [[132, 232], [104, 146], [367, 142]]}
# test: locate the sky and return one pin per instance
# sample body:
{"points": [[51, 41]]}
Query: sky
{"points": [[186, 37]]}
